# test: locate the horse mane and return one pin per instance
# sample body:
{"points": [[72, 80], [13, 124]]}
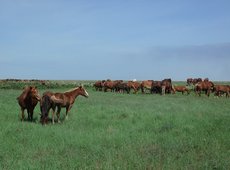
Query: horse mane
{"points": [[24, 93], [71, 90]]}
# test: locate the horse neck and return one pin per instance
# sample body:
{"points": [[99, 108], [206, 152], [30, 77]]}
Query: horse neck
{"points": [[74, 93]]}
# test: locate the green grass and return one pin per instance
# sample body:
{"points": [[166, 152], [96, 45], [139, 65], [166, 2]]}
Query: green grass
{"points": [[119, 131]]}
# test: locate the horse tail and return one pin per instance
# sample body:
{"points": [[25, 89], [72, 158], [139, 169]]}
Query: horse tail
{"points": [[173, 89], [45, 105], [56, 100]]}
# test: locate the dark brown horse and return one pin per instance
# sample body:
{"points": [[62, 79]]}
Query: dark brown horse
{"points": [[189, 81], [59, 100], [99, 85], [156, 87], [166, 86], [28, 100]]}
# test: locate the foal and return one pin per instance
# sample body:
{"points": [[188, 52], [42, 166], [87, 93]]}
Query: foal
{"points": [[59, 100]]}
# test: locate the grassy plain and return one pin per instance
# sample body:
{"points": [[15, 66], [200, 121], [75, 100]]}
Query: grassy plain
{"points": [[119, 131]]}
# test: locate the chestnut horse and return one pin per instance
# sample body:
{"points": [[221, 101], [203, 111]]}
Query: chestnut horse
{"points": [[206, 86], [147, 84], [134, 85], [221, 89], [59, 100], [181, 89], [28, 100]]}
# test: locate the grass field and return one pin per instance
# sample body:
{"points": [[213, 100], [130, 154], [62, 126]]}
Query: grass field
{"points": [[119, 131]]}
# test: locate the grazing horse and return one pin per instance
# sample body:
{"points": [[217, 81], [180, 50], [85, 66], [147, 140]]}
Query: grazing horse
{"points": [[134, 85], [28, 100], [181, 89], [99, 85], [221, 89], [111, 85], [122, 87], [60, 100], [206, 86]]}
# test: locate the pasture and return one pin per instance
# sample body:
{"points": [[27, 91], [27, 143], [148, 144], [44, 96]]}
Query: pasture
{"points": [[119, 131]]}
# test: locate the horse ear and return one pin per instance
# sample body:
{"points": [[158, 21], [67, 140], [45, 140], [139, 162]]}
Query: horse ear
{"points": [[31, 87]]}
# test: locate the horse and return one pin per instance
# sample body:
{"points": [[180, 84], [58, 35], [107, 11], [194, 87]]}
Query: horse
{"points": [[206, 86], [59, 100], [111, 85], [166, 86], [189, 81], [181, 89], [122, 87], [156, 87], [221, 89], [28, 100], [134, 85], [99, 85], [147, 84]]}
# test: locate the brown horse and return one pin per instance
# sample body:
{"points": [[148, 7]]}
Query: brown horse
{"points": [[221, 89], [111, 85], [134, 85], [59, 100], [181, 89], [166, 86], [156, 87], [99, 85], [206, 86], [147, 84], [28, 100]]}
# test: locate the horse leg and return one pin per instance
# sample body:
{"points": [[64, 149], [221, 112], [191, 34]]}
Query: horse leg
{"points": [[67, 110], [23, 116], [53, 113], [58, 114], [31, 114], [163, 90], [208, 92], [28, 112]]}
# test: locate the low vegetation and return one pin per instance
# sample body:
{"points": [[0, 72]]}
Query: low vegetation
{"points": [[119, 131]]}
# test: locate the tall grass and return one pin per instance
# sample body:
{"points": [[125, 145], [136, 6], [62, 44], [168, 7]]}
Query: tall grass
{"points": [[119, 131]]}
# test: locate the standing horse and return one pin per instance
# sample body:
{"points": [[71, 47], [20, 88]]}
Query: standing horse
{"points": [[206, 86], [147, 84], [59, 100], [28, 100], [166, 86]]}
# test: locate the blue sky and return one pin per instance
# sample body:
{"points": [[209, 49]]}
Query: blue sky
{"points": [[93, 40]]}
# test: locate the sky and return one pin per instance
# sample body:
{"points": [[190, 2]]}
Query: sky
{"points": [[131, 39]]}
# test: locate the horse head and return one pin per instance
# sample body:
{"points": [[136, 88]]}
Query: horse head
{"points": [[34, 93], [83, 92]]}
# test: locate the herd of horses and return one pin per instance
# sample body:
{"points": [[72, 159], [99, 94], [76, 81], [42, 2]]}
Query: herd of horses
{"points": [[163, 87], [30, 97]]}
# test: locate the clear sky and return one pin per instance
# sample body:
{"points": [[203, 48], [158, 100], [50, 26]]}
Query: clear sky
{"points": [[119, 39]]}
